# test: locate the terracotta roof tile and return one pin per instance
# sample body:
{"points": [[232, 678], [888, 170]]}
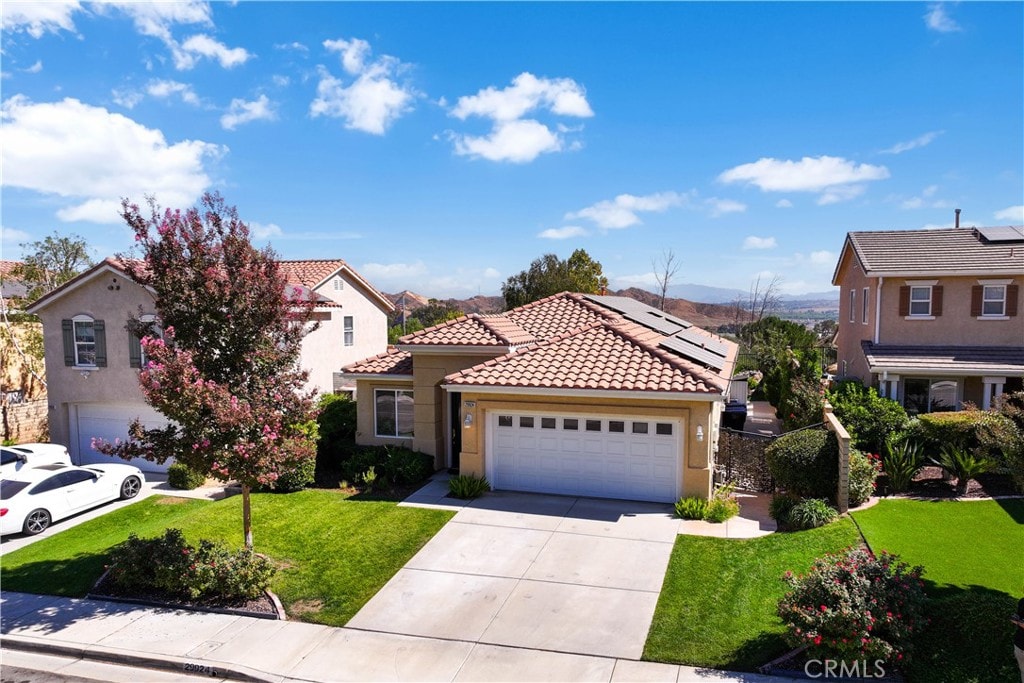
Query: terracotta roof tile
{"points": [[312, 272], [602, 355], [391, 362], [463, 331], [555, 315]]}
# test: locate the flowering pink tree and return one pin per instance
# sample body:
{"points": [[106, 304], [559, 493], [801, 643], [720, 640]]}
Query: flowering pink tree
{"points": [[226, 372]]}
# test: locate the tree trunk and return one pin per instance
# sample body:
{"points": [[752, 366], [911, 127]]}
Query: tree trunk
{"points": [[247, 517]]}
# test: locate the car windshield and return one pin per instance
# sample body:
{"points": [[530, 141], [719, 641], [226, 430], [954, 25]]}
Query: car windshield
{"points": [[9, 487], [7, 457]]}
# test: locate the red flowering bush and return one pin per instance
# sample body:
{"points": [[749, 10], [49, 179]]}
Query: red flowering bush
{"points": [[855, 605], [171, 567], [864, 470]]}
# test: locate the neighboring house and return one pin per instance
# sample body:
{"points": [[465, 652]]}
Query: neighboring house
{"points": [[93, 361], [573, 394], [932, 317]]}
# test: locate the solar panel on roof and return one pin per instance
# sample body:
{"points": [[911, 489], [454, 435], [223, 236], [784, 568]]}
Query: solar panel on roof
{"points": [[716, 346], [1003, 233], [641, 313], [687, 350]]}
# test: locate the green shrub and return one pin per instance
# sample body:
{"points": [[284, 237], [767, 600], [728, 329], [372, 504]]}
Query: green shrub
{"points": [[692, 507], [1011, 406], [369, 478], [359, 460], [297, 478], [468, 486], [959, 463], [181, 476], [803, 405], [780, 507], [901, 463], [173, 568], [405, 466], [337, 422], [866, 416], [985, 433], [721, 509], [864, 469], [811, 513], [805, 463], [855, 606]]}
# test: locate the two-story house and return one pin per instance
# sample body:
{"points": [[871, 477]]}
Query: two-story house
{"points": [[93, 362], [931, 318]]}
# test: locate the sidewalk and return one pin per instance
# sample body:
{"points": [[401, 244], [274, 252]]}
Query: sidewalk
{"points": [[250, 649]]}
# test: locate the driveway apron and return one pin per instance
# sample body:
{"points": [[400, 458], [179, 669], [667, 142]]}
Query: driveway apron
{"points": [[562, 574]]}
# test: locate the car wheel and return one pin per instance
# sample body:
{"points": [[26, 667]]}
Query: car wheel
{"points": [[130, 488], [37, 522]]}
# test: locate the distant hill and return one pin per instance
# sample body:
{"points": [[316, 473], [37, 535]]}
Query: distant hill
{"points": [[727, 295]]}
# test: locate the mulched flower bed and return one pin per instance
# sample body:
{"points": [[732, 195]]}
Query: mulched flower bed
{"points": [[929, 483], [267, 606]]}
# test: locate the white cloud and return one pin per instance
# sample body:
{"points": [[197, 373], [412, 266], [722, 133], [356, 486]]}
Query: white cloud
{"points": [[754, 242], [127, 98], [280, 81], [562, 96], [165, 88], [492, 273], [515, 138], [35, 68], [373, 100], [11, 239], [393, 271], [39, 18], [840, 193], [201, 45], [1014, 214], [810, 174], [94, 157], [563, 233], [720, 207], [937, 19], [262, 231], [637, 280], [156, 18], [823, 257], [622, 211], [783, 204], [518, 142], [294, 45], [919, 141], [936, 226], [241, 112]]}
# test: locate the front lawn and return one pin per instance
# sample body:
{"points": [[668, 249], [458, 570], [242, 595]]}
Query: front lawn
{"points": [[334, 552], [717, 605], [973, 555]]}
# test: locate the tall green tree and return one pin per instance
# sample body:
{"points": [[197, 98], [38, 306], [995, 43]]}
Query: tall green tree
{"points": [[549, 275], [50, 262], [226, 374]]}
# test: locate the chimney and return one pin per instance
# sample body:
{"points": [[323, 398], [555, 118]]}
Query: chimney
{"points": [[957, 224]]}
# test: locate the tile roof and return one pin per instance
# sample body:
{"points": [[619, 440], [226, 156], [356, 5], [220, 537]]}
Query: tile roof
{"points": [[391, 362], [312, 272], [922, 252], [606, 355], [992, 360], [555, 315], [463, 331]]}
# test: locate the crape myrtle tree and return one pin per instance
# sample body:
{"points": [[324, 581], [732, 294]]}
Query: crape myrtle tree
{"points": [[226, 372]]}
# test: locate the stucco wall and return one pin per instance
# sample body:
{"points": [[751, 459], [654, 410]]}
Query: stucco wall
{"points": [[850, 358], [696, 456], [365, 432], [955, 326], [324, 351], [118, 382]]}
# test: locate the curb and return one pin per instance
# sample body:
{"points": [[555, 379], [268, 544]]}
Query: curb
{"points": [[168, 663]]}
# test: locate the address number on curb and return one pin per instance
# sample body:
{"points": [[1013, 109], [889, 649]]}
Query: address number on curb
{"points": [[201, 669]]}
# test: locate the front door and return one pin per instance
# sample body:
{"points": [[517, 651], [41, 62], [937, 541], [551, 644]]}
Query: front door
{"points": [[455, 437]]}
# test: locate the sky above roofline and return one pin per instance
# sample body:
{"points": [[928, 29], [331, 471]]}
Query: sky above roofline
{"points": [[440, 147]]}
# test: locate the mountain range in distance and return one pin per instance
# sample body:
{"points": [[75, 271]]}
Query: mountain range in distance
{"points": [[707, 307]]}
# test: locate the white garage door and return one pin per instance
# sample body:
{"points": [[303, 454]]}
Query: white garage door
{"points": [[634, 458], [110, 421]]}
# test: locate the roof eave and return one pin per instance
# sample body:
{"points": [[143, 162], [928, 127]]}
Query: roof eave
{"points": [[457, 349], [962, 272], [709, 397], [938, 370], [356, 376]]}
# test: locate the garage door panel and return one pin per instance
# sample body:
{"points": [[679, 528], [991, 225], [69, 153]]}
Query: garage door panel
{"points": [[109, 422], [581, 460]]}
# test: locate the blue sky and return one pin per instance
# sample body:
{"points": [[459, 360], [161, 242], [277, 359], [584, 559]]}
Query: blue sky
{"points": [[442, 147]]}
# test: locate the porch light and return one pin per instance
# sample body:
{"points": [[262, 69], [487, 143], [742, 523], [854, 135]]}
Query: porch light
{"points": [[468, 422], [85, 373], [700, 433]]}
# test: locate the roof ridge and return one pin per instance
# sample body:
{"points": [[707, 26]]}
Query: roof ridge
{"points": [[438, 326], [483, 320]]}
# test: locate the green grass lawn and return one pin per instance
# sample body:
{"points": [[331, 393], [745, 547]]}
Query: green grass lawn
{"points": [[973, 558], [717, 605], [335, 553]]}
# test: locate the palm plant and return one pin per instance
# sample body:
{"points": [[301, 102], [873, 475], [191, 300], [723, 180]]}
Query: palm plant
{"points": [[901, 463], [958, 462]]}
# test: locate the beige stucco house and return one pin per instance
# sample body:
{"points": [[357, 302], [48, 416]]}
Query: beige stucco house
{"points": [[931, 318], [573, 394], [93, 362]]}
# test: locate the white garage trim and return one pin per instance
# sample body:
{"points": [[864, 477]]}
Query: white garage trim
{"points": [[109, 421], [690, 396], [542, 455]]}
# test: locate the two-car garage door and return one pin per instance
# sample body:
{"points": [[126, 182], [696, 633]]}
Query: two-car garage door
{"points": [[628, 457]]}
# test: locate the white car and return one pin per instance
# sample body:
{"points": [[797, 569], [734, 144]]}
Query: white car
{"points": [[37, 496], [14, 458]]}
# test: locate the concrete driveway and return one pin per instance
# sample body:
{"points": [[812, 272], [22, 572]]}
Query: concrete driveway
{"points": [[562, 574]]}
